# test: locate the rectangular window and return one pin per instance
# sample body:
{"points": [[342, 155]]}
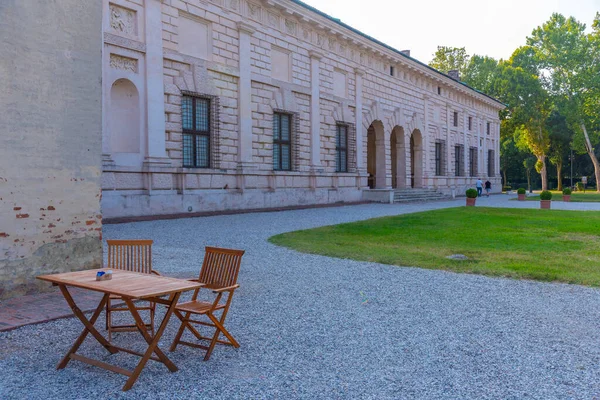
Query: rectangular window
{"points": [[391, 70], [455, 119], [341, 148], [439, 90], [459, 160], [488, 128], [195, 117], [490, 165], [438, 158], [470, 123], [473, 161], [282, 142]]}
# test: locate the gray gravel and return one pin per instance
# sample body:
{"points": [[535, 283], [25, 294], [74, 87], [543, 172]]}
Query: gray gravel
{"points": [[319, 328]]}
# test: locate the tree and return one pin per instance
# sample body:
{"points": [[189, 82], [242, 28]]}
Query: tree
{"points": [[529, 164], [569, 61], [450, 58], [560, 143], [528, 110], [481, 73]]}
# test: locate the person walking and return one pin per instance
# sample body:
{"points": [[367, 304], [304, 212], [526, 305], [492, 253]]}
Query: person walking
{"points": [[479, 186], [488, 188]]}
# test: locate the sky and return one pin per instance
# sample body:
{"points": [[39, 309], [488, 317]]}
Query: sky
{"points": [[493, 28]]}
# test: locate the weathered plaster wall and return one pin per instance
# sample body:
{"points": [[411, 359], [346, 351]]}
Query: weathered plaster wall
{"points": [[50, 140]]}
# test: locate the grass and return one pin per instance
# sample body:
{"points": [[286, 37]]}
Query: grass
{"points": [[576, 197], [545, 245]]}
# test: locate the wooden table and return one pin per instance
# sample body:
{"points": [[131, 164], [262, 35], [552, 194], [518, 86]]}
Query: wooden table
{"points": [[130, 286]]}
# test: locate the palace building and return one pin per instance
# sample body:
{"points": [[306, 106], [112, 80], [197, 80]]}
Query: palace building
{"points": [[248, 104]]}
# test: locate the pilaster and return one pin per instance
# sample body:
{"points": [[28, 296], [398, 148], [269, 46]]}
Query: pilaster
{"points": [[245, 98], [155, 94], [315, 111]]}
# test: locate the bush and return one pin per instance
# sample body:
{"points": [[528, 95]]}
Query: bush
{"points": [[579, 187], [506, 188], [521, 191], [567, 191], [546, 195], [471, 193]]}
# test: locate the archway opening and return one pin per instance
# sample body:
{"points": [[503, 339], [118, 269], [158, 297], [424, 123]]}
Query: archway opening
{"points": [[376, 155]]}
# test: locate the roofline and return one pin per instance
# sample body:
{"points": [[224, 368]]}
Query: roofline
{"points": [[372, 39]]}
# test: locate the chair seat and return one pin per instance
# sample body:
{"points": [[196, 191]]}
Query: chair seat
{"points": [[197, 307]]}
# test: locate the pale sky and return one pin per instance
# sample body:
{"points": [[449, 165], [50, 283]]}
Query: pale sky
{"points": [[494, 28]]}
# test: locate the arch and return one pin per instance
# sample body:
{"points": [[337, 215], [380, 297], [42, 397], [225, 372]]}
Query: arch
{"points": [[416, 159], [124, 117], [376, 155], [398, 156]]}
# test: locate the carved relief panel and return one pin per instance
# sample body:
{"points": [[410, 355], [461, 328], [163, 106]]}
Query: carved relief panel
{"points": [[123, 21]]}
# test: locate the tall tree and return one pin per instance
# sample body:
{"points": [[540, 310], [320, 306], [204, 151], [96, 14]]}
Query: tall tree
{"points": [[450, 58], [481, 73], [529, 164], [560, 143], [529, 108], [569, 62]]}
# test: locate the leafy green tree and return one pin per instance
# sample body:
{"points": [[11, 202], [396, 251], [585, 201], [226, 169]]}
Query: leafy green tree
{"points": [[560, 143], [569, 61], [528, 109], [481, 73], [529, 164], [450, 58]]}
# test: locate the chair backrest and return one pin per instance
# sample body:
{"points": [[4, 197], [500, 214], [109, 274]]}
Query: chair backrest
{"points": [[220, 267], [130, 255]]}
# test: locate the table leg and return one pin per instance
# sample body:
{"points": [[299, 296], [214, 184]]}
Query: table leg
{"points": [[152, 341], [89, 327]]}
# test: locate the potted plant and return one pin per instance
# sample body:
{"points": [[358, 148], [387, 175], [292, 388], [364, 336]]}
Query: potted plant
{"points": [[567, 194], [471, 196], [521, 193], [545, 199]]}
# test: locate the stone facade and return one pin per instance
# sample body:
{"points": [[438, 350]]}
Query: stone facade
{"points": [[407, 124], [50, 140]]}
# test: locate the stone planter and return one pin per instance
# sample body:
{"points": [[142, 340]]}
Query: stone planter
{"points": [[522, 197], [567, 197], [471, 202], [545, 204]]}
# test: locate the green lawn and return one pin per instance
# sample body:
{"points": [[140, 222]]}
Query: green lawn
{"points": [[547, 245], [576, 197]]}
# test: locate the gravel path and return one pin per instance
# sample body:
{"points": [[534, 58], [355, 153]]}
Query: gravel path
{"points": [[313, 327]]}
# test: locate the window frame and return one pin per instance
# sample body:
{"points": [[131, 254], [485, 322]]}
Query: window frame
{"points": [[339, 149], [488, 128], [458, 160], [438, 158], [195, 133], [455, 119], [279, 142], [473, 161], [470, 123]]}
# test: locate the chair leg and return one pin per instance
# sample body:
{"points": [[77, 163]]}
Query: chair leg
{"points": [[108, 320], [213, 342], [181, 329], [152, 312]]}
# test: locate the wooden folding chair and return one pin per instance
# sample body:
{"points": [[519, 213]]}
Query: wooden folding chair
{"points": [[219, 273], [134, 256]]}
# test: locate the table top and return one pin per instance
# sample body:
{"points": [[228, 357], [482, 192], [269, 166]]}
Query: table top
{"points": [[123, 283]]}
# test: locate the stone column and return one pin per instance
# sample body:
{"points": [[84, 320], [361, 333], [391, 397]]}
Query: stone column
{"points": [[497, 149], [155, 91], [315, 111], [245, 98], [448, 144]]}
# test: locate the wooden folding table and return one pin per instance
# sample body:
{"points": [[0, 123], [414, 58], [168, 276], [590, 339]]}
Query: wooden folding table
{"points": [[130, 286]]}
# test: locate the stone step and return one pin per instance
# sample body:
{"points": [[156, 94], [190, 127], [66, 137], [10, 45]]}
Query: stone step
{"points": [[419, 199]]}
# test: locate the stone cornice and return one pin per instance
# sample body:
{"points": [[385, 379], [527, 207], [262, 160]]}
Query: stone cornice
{"points": [[246, 28], [126, 43]]}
